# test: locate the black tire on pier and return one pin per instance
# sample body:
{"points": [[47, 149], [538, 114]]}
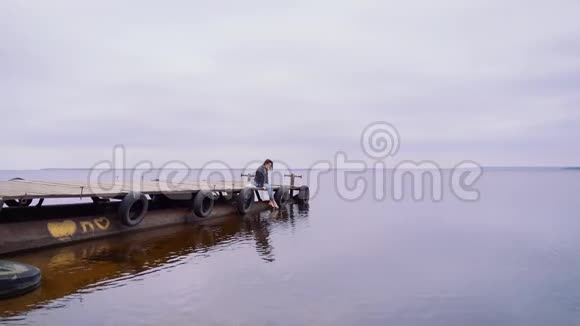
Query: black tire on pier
{"points": [[133, 208], [245, 200], [303, 196], [303, 208], [17, 279], [203, 203], [282, 196], [18, 202]]}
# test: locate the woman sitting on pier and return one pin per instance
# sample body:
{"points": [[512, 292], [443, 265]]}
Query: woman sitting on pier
{"points": [[261, 180]]}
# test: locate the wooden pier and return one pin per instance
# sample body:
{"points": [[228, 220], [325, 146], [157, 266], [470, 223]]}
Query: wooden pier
{"points": [[18, 189], [118, 207]]}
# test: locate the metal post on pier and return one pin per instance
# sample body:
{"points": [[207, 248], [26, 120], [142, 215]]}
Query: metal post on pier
{"points": [[292, 182]]}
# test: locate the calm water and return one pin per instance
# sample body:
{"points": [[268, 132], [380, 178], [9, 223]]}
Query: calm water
{"points": [[512, 258]]}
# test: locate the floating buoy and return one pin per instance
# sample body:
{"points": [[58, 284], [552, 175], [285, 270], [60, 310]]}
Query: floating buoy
{"points": [[17, 279]]}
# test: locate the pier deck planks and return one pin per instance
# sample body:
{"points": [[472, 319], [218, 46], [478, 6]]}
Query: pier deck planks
{"points": [[30, 189]]}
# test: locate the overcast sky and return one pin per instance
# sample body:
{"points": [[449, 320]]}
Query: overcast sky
{"points": [[493, 81]]}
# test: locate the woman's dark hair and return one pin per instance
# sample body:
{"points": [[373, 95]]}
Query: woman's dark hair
{"points": [[268, 161]]}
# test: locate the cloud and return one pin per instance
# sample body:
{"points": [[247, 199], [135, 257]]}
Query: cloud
{"points": [[461, 80]]}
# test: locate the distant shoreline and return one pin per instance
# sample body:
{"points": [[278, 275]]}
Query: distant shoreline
{"points": [[572, 168]]}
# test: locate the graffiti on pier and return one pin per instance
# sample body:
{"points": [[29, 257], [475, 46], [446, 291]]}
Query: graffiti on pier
{"points": [[65, 230], [101, 223]]}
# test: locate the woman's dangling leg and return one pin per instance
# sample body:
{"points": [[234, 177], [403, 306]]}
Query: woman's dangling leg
{"points": [[271, 195]]}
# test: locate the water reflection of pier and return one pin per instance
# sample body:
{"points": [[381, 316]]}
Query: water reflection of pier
{"points": [[110, 262]]}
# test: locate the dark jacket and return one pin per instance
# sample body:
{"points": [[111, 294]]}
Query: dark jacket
{"points": [[261, 177]]}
